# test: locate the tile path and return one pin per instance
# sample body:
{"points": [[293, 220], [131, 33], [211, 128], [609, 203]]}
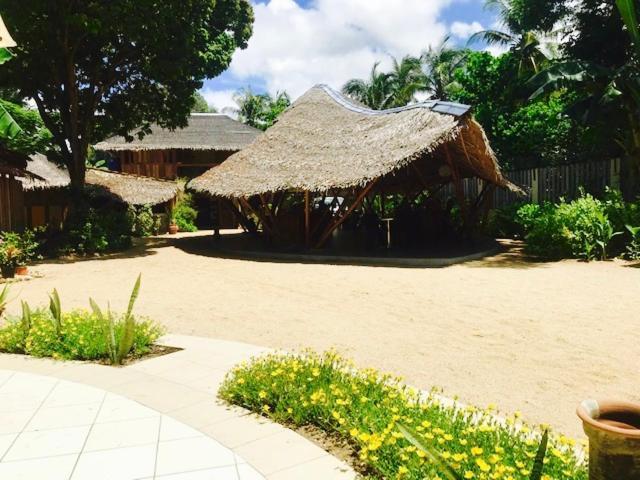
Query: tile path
{"points": [[158, 418]]}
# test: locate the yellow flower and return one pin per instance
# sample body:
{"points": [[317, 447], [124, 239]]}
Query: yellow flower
{"points": [[484, 466], [476, 451], [468, 474], [262, 394]]}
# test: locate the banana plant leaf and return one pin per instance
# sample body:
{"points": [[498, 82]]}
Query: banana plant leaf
{"points": [[630, 18], [5, 55], [8, 126]]}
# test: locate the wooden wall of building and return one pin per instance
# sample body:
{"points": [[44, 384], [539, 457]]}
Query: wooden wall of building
{"points": [[170, 164], [12, 210]]}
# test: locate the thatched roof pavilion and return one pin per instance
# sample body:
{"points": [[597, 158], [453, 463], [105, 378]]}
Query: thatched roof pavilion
{"points": [[206, 141], [326, 143], [130, 189]]}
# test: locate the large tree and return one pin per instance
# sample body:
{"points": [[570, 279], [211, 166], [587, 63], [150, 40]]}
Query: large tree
{"points": [[97, 68], [439, 65]]}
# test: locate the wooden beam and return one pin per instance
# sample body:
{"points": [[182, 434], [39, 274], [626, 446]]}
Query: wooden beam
{"points": [[325, 236], [245, 204], [307, 219]]}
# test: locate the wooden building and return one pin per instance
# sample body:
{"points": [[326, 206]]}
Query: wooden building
{"points": [[12, 169], [45, 196], [208, 140]]}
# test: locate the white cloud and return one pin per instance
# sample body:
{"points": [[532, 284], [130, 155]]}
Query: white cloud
{"points": [[464, 30], [330, 42], [220, 99]]}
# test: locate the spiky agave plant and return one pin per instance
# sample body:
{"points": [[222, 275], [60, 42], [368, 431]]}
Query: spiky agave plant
{"points": [[118, 346], [4, 299], [56, 311], [450, 474]]}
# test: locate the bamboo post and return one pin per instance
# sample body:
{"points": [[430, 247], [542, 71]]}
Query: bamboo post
{"points": [[340, 221]]}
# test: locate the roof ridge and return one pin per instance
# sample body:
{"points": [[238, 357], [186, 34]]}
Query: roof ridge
{"points": [[438, 106]]}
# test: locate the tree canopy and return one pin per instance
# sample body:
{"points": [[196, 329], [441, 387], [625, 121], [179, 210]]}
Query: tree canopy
{"points": [[98, 68], [260, 110]]}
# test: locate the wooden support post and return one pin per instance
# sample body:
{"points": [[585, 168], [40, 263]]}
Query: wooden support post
{"points": [[457, 184], [307, 219], [325, 236], [245, 204]]}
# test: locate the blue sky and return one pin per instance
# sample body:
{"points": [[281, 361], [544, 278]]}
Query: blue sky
{"points": [[298, 43]]}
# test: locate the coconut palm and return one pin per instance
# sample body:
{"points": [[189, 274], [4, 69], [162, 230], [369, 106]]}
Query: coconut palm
{"points": [[439, 65], [396, 88], [407, 79], [531, 48], [376, 92]]}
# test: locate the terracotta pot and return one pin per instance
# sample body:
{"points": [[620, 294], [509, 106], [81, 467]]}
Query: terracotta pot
{"points": [[613, 429], [22, 270], [173, 229]]}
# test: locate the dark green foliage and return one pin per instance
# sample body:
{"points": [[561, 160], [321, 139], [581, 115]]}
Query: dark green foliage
{"points": [[92, 230], [200, 105], [34, 137], [137, 62]]}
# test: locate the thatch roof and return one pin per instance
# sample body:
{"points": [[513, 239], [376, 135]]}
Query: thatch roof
{"points": [[131, 189], [324, 141], [206, 131]]}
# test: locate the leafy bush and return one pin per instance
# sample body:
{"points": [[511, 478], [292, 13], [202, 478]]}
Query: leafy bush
{"points": [[17, 249], [365, 409], [91, 230], [184, 215], [79, 334], [502, 222], [586, 228], [144, 222], [632, 249]]}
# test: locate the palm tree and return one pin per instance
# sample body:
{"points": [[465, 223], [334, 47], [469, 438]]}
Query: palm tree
{"points": [[439, 66], [407, 79], [376, 92], [531, 48], [260, 110], [388, 90]]}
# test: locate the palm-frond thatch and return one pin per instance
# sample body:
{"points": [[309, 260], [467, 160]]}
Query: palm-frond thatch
{"points": [[130, 189], [325, 141], [205, 131]]}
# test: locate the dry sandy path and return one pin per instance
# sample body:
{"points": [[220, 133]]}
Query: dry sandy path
{"points": [[531, 337]]}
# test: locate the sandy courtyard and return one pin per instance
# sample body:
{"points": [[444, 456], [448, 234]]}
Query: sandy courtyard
{"points": [[537, 338]]}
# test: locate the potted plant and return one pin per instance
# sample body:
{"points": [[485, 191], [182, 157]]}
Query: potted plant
{"points": [[9, 258], [613, 429], [173, 226]]}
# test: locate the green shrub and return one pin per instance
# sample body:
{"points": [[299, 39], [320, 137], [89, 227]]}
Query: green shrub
{"points": [[79, 334], [365, 409], [632, 249], [503, 223], [144, 222], [583, 228], [91, 230], [184, 215]]}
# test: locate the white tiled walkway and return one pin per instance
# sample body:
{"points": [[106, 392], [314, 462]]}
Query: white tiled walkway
{"points": [[57, 430], [157, 418]]}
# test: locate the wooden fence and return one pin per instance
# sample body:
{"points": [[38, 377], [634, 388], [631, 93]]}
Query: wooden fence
{"points": [[551, 183]]}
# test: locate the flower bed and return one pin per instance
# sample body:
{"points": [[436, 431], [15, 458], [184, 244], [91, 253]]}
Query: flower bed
{"points": [[94, 334], [364, 408]]}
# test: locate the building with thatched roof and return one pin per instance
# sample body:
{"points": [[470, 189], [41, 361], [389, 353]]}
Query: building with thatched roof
{"points": [[327, 146], [207, 140], [46, 197]]}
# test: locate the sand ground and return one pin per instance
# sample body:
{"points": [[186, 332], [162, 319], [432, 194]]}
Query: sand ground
{"points": [[533, 337]]}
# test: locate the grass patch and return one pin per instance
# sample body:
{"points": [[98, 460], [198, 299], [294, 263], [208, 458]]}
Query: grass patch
{"points": [[365, 408]]}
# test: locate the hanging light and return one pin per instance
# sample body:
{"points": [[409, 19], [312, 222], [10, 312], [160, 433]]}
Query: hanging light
{"points": [[5, 38]]}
